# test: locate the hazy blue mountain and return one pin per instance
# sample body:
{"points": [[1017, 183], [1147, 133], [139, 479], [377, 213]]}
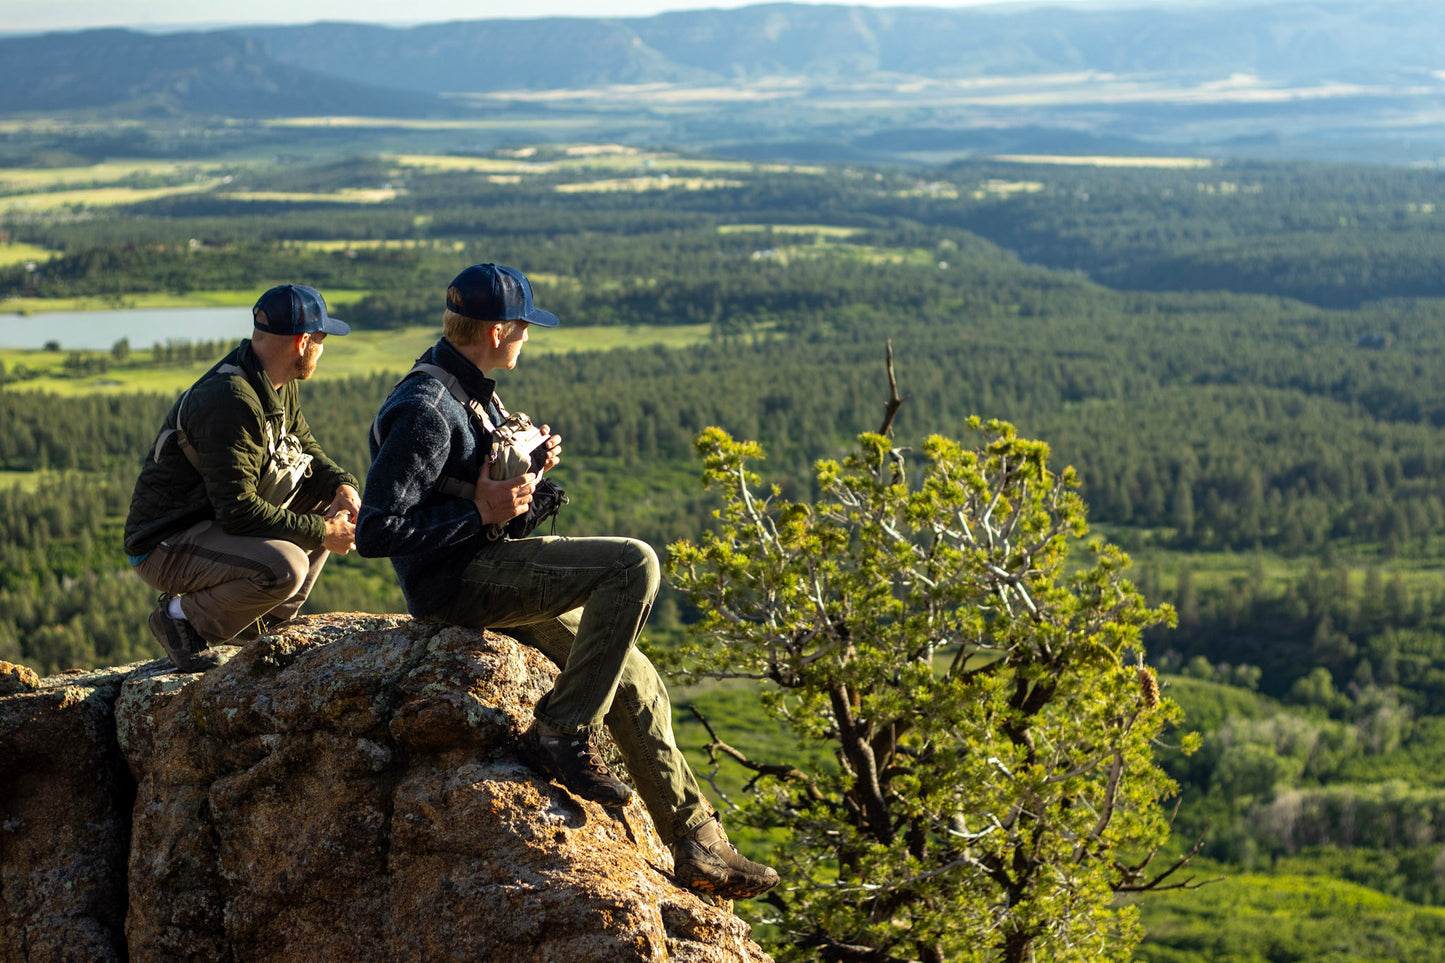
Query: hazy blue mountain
{"points": [[1291, 41], [1327, 79], [222, 73], [479, 55]]}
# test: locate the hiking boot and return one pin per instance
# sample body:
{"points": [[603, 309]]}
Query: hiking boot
{"points": [[183, 644], [705, 862], [574, 762]]}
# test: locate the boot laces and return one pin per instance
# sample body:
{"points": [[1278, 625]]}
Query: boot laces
{"points": [[591, 758]]}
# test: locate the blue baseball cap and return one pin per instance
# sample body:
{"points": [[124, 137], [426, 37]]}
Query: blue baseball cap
{"points": [[296, 309], [495, 292]]}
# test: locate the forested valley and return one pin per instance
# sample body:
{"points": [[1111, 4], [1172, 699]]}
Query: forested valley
{"points": [[1243, 362]]}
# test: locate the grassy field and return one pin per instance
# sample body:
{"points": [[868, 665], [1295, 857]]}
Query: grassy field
{"points": [[375, 244], [346, 195], [1259, 919], [655, 182], [817, 230], [20, 253], [27, 481], [122, 182], [21, 179], [97, 197], [591, 157], [1174, 163], [363, 352]]}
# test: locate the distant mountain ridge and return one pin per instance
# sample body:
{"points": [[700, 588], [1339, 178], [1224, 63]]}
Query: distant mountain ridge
{"points": [[222, 73], [1321, 78], [1290, 41]]}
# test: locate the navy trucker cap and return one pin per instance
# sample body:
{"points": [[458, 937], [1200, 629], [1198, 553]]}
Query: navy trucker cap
{"points": [[296, 309], [495, 292]]}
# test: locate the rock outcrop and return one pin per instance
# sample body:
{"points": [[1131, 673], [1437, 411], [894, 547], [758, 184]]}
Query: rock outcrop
{"points": [[346, 790], [65, 807]]}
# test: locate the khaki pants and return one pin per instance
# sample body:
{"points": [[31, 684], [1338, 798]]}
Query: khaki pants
{"points": [[582, 602], [226, 582]]}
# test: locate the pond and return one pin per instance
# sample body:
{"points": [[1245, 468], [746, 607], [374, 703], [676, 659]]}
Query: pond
{"points": [[98, 330]]}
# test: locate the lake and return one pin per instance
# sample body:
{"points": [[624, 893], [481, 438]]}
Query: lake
{"points": [[98, 330]]}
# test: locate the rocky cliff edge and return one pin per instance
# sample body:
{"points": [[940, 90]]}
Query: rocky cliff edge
{"points": [[344, 791]]}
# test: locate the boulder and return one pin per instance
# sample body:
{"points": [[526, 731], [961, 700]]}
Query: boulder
{"points": [[65, 806], [344, 790]]}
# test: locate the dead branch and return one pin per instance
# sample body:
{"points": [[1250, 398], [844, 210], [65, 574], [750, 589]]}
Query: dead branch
{"points": [[786, 773], [890, 409], [1157, 884]]}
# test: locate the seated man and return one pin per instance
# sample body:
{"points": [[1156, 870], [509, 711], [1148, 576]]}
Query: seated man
{"points": [[581, 601], [237, 506]]}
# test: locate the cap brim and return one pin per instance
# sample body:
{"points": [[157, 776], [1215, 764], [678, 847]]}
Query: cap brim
{"points": [[545, 318], [335, 326]]}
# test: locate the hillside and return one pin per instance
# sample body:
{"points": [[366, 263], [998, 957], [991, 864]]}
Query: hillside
{"points": [[186, 73]]}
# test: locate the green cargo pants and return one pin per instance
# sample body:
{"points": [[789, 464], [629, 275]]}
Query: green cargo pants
{"points": [[582, 602]]}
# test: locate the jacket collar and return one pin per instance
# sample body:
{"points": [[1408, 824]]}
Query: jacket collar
{"points": [[245, 358], [473, 382]]}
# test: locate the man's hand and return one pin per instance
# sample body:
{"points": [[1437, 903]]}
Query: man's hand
{"points": [[346, 500], [553, 446], [498, 502], [340, 533]]}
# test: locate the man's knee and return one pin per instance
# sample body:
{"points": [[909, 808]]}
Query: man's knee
{"points": [[287, 572], [644, 571]]}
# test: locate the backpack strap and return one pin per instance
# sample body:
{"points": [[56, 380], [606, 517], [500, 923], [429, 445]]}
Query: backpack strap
{"points": [[454, 385], [180, 433], [447, 485]]}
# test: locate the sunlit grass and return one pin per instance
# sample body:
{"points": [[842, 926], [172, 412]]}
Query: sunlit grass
{"points": [[866, 253], [26, 481], [346, 195], [581, 157], [821, 230], [1105, 160], [1005, 188], [654, 183], [1249, 916], [439, 162], [824, 240], [371, 244], [20, 253], [99, 196], [46, 178]]}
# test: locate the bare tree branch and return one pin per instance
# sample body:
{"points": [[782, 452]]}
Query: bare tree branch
{"points": [[890, 408], [1156, 885], [785, 773]]}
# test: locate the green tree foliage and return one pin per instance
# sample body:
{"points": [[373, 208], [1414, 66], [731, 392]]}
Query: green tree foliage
{"points": [[994, 784]]}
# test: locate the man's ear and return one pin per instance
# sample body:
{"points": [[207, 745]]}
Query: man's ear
{"points": [[300, 343], [494, 333]]}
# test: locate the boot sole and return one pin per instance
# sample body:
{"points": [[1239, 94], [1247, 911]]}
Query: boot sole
{"points": [[722, 881]]}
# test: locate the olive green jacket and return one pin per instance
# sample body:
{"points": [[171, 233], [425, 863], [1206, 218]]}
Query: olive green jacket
{"points": [[225, 421]]}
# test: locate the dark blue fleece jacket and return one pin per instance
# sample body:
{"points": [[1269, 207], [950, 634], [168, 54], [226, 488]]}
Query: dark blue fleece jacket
{"points": [[425, 433]]}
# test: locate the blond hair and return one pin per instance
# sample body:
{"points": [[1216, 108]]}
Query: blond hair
{"points": [[461, 330]]}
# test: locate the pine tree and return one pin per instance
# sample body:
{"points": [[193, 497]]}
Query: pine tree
{"points": [[991, 787]]}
